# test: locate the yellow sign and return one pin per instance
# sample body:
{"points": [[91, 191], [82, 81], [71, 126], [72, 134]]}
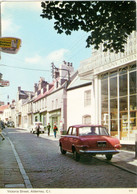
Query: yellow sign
{"points": [[10, 44]]}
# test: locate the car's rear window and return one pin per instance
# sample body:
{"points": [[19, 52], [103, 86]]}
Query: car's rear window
{"points": [[92, 130]]}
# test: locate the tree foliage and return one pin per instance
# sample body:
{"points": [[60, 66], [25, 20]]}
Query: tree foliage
{"points": [[108, 22]]}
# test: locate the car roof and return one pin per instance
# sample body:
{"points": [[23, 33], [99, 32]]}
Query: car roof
{"points": [[85, 125]]}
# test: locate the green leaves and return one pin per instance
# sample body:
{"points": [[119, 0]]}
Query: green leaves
{"points": [[109, 21]]}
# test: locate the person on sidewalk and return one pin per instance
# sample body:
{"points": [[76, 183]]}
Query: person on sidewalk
{"points": [[38, 129], [55, 129], [48, 127], [1, 128]]}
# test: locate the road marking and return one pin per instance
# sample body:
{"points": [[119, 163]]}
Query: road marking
{"points": [[22, 170]]}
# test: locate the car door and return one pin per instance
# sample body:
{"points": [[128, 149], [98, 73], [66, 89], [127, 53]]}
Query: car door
{"points": [[66, 140], [72, 138]]}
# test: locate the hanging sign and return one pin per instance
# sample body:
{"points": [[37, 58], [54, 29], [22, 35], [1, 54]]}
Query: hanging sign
{"points": [[10, 45], [4, 83]]}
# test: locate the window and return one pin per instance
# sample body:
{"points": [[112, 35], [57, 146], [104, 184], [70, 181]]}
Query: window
{"points": [[104, 89], [119, 102], [133, 82], [87, 98], [74, 131], [69, 131], [86, 119], [56, 103], [123, 85], [52, 104], [113, 87]]}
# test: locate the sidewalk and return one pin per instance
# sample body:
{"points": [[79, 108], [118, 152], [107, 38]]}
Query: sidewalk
{"points": [[11, 177]]}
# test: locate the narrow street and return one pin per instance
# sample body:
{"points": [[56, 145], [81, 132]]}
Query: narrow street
{"points": [[45, 167]]}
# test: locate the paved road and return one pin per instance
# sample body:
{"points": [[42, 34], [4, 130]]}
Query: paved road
{"points": [[45, 167]]}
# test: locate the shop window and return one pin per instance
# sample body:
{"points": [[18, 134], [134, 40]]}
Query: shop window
{"points": [[132, 67], [123, 70], [113, 87], [104, 108], [123, 85], [113, 73], [133, 114], [133, 103], [133, 82], [114, 128], [104, 89], [104, 76], [87, 98], [123, 104], [113, 109]]}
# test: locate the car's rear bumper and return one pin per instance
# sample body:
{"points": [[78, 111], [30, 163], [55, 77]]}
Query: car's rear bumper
{"points": [[99, 151]]}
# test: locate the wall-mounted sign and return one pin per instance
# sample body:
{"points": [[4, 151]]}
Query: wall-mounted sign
{"points": [[4, 83], [10, 45]]}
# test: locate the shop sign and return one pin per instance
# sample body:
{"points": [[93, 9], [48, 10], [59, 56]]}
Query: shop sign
{"points": [[10, 45], [4, 83]]}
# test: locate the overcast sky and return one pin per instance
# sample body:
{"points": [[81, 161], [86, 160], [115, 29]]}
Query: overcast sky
{"points": [[41, 45]]}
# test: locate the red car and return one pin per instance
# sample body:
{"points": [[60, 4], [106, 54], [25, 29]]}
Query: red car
{"points": [[88, 139]]}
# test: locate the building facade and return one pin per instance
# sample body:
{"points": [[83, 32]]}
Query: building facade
{"points": [[114, 78], [79, 102]]}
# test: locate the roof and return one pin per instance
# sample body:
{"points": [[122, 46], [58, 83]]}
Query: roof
{"points": [[3, 107], [77, 82], [45, 94]]}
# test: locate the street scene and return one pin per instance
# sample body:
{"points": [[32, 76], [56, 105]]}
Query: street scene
{"points": [[45, 167], [68, 96]]}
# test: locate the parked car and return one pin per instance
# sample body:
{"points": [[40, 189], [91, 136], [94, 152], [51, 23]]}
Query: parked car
{"points": [[10, 124], [88, 139], [33, 128]]}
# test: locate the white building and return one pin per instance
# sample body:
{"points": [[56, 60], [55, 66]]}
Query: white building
{"points": [[114, 82], [79, 102]]}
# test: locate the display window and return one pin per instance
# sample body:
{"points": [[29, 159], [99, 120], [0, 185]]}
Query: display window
{"points": [[119, 102]]}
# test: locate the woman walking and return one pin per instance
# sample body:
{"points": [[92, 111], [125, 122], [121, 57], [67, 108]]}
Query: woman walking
{"points": [[55, 129]]}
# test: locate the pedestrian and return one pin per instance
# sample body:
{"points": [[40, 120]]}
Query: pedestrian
{"points": [[38, 129], [2, 126], [55, 129], [48, 127]]}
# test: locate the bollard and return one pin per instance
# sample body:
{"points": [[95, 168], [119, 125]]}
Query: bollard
{"points": [[135, 145]]}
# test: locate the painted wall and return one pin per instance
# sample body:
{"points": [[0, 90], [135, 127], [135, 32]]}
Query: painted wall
{"points": [[75, 106]]}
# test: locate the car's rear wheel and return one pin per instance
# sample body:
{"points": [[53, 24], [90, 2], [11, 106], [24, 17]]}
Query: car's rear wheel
{"points": [[108, 156], [61, 150], [76, 155]]}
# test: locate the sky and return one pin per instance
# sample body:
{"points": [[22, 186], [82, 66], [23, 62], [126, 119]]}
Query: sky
{"points": [[41, 45]]}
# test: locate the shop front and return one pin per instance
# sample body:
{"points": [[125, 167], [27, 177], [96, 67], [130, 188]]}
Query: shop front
{"points": [[55, 118], [119, 101], [43, 118]]}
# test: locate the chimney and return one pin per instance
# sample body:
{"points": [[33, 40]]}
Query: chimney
{"points": [[35, 87], [48, 87], [19, 89]]}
